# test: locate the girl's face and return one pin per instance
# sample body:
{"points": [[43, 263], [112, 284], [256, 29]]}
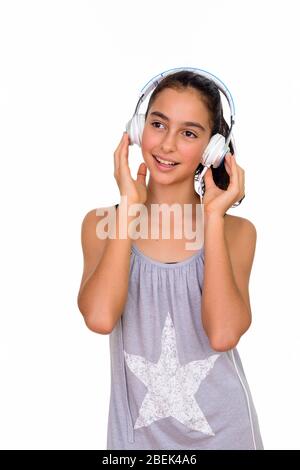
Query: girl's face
{"points": [[177, 129]]}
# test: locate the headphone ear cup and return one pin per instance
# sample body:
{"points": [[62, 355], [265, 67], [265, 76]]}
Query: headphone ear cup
{"points": [[214, 152], [135, 128]]}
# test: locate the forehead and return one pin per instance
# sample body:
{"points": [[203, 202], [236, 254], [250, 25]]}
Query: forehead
{"points": [[181, 105]]}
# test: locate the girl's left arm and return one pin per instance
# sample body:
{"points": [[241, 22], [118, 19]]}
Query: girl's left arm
{"points": [[229, 253], [229, 248]]}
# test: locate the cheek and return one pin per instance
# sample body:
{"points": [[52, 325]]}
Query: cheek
{"points": [[149, 140], [197, 155], [192, 156], [148, 143]]}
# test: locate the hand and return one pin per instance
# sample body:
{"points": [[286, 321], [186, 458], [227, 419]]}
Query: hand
{"points": [[135, 190], [217, 200]]}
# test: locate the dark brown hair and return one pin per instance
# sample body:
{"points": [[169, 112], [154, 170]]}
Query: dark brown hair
{"points": [[210, 95]]}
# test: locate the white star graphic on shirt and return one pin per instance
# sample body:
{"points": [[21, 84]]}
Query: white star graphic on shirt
{"points": [[171, 386]]}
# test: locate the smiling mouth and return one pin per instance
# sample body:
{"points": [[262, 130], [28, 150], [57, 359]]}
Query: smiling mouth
{"points": [[165, 162]]}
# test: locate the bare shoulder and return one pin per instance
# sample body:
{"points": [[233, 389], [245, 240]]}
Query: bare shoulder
{"points": [[92, 244], [89, 233], [241, 236], [236, 227]]}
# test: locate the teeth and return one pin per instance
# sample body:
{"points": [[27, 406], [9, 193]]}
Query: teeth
{"points": [[164, 161]]}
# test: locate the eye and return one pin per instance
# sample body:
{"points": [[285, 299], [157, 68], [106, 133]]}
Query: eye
{"points": [[159, 123], [195, 136], [155, 122]]}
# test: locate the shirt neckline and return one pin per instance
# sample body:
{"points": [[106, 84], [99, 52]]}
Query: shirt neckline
{"points": [[150, 260]]}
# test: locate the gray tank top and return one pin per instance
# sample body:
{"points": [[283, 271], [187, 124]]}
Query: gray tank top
{"points": [[169, 388]]}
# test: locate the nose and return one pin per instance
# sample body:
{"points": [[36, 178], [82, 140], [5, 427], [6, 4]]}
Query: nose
{"points": [[168, 143]]}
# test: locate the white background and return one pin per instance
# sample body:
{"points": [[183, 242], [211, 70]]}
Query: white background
{"points": [[71, 72]]}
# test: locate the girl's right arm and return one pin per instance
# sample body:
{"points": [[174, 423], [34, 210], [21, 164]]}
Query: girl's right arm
{"points": [[104, 285]]}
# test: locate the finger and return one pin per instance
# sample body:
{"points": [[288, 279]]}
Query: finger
{"points": [[124, 151], [120, 143], [228, 162], [141, 174], [117, 154], [123, 160], [228, 166], [236, 174], [241, 179], [115, 164], [234, 177], [208, 178]]}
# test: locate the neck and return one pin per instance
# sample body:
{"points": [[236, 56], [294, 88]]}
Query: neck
{"points": [[177, 193]]}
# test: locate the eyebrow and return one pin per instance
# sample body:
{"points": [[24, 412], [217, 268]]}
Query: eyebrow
{"points": [[186, 123]]}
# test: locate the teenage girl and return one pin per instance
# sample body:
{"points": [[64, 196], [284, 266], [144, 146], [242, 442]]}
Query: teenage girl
{"points": [[174, 317]]}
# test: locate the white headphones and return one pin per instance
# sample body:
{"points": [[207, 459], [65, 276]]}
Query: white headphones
{"points": [[217, 147]]}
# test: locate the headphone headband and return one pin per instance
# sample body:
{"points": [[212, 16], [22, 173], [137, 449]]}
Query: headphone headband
{"points": [[153, 82]]}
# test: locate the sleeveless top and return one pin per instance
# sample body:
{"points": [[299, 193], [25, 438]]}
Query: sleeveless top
{"points": [[169, 388]]}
